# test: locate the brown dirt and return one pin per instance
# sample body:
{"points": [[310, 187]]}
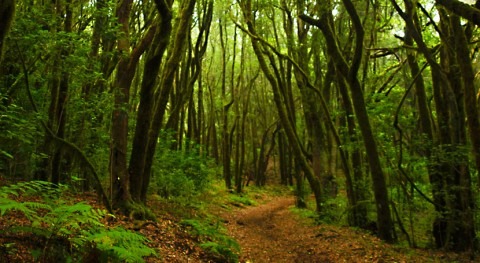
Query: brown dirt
{"points": [[271, 232], [171, 241]]}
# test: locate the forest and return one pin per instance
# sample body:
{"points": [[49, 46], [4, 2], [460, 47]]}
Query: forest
{"points": [[366, 113]]}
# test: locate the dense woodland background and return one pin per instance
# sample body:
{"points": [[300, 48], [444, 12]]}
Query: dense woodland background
{"points": [[371, 106]]}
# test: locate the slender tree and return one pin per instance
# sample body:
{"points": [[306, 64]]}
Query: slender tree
{"points": [[349, 73]]}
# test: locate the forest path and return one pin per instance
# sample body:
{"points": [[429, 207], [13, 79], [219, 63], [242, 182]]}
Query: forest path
{"points": [[270, 232]]}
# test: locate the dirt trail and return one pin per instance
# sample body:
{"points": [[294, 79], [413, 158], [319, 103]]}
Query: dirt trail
{"points": [[271, 233]]}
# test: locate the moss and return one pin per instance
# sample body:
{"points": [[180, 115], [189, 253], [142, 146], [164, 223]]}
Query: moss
{"points": [[135, 211]]}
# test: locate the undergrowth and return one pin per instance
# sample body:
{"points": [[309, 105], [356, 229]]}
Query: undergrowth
{"points": [[239, 200], [181, 174], [213, 239], [64, 232]]}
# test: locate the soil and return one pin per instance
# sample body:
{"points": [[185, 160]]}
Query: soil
{"points": [[271, 232], [268, 232], [172, 242]]}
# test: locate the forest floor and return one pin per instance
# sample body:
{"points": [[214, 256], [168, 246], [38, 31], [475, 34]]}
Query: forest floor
{"points": [[272, 232], [267, 231]]}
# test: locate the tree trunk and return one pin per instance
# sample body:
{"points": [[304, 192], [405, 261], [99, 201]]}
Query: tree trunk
{"points": [[450, 179], [284, 115], [7, 13], [126, 68], [357, 186], [349, 73], [175, 55], [153, 61], [226, 159]]}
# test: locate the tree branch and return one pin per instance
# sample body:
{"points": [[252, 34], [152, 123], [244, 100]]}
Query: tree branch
{"points": [[466, 11]]}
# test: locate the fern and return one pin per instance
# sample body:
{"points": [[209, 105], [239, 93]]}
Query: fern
{"points": [[76, 228], [29, 209], [226, 253], [217, 243], [121, 245], [32, 188]]}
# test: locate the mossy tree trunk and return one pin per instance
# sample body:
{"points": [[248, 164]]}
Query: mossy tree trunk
{"points": [[176, 51], [454, 227], [119, 175], [7, 13], [154, 58], [349, 73]]}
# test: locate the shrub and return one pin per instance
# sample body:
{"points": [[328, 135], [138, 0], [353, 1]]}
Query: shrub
{"points": [[214, 240], [181, 173]]}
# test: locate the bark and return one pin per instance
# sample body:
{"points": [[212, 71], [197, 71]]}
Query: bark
{"points": [[450, 179], [466, 11], [315, 129], [121, 88], [284, 174], [241, 139], [460, 233], [7, 13], [355, 188], [264, 156], [468, 79], [226, 160], [175, 55], [154, 58]]}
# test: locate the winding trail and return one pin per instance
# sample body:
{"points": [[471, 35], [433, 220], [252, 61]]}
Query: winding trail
{"points": [[271, 233]]}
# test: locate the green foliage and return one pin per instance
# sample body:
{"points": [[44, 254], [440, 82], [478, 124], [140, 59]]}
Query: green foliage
{"points": [[181, 173], [334, 211], [241, 199], [119, 244], [70, 232], [214, 239], [16, 139], [305, 213]]}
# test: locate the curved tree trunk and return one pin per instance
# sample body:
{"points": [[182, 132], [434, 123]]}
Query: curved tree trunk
{"points": [[279, 100], [175, 55], [153, 61], [349, 73], [121, 88]]}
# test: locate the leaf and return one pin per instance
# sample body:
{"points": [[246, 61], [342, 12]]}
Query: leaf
{"points": [[6, 154]]}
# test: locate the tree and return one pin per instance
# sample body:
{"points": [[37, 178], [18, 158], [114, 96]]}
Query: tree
{"points": [[450, 178], [154, 58], [127, 64], [279, 99], [7, 12], [166, 83], [319, 93], [349, 74]]}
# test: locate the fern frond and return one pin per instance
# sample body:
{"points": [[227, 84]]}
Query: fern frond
{"points": [[79, 224], [7, 205], [126, 245], [37, 205], [124, 254], [32, 188]]}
